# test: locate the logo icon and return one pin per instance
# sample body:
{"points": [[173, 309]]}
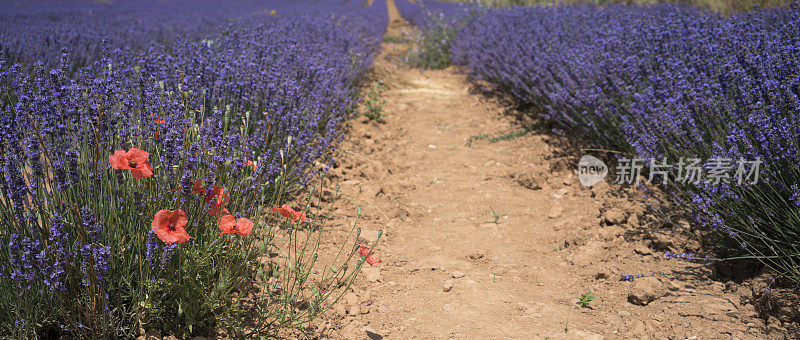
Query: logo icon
{"points": [[591, 170]]}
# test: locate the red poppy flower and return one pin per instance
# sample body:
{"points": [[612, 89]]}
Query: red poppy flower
{"points": [[229, 225], [198, 186], [366, 251], [168, 226], [215, 210], [160, 121], [219, 196], [290, 213], [217, 199], [134, 160], [251, 164]]}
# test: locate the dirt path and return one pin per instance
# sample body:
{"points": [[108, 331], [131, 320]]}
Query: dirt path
{"points": [[448, 271]]}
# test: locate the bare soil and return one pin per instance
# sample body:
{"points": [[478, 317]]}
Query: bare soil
{"points": [[499, 239]]}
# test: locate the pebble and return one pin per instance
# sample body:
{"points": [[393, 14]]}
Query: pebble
{"points": [[528, 180], [457, 274], [642, 249], [614, 216], [447, 286], [644, 290], [371, 333]]}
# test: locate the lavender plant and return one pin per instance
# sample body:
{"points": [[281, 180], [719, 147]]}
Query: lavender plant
{"points": [[439, 22], [667, 81], [137, 180]]}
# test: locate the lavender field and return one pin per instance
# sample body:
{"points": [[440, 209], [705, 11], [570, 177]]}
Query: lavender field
{"points": [[180, 169]]}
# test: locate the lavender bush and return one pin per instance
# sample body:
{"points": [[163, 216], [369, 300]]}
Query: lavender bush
{"points": [[438, 22], [137, 180], [667, 81]]}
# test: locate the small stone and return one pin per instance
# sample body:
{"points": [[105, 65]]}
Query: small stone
{"points": [[644, 290], [624, 313], [614, 216], [661, 240], [447, 286], [364, 309], [371, 333], [641, 249], [528, 180], [457, 274]]}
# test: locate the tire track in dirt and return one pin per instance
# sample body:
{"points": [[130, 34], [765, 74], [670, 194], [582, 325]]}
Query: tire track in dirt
{"points": [[450, 272]]}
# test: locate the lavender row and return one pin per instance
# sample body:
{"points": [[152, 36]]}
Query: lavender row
{"points": [[217, 123], [424, 13], [666, 81], [38, 31]]}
